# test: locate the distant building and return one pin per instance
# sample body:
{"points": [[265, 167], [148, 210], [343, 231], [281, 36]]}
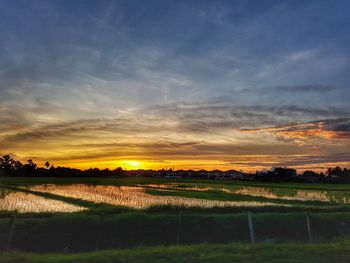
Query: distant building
{"points": [[233, 174]]}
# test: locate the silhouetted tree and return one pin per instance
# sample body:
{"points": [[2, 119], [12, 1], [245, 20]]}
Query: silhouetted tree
{"points": [[336, 174], [28, 169], [7, 162], [8, 165], [47, 164], [12, 167], [311, 176], [284, 172], [31, 163]]}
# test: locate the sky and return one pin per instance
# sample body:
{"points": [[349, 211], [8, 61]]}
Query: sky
{"points": [[242, 85]]}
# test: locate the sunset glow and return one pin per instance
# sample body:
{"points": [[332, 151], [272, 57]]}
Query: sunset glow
{"points": [[176, 84], [174, 131], [132, 164]]}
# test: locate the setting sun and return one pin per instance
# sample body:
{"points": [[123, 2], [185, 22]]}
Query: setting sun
{"points": [[131, 164]]}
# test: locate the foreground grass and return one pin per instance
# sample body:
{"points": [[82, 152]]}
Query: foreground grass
{"points": [[86, 232], [331, 252]]}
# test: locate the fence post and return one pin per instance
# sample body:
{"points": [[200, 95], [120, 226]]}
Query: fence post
{"points": [[178, 229], [308, 224], [12, 229], [251, 228], [99, 231]]}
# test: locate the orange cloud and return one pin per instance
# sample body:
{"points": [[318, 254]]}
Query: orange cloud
{"points": [[302, 132]]}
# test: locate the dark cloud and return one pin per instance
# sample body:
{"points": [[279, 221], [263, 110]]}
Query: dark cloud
{"points": [[316, 159], [304, 88], [304, 131], [201, 117], [291, 89], [189, 118], [313, 161], [339, 125]]}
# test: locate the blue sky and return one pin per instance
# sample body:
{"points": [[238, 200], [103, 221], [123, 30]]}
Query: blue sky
{"points": [[204, 71]]}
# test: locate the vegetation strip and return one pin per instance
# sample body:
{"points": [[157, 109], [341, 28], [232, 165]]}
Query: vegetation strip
{"points": [[204, 253], [218, 195]]}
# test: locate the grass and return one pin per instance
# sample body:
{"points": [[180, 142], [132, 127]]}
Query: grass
{"points": [[203, 253], [85, 232]]}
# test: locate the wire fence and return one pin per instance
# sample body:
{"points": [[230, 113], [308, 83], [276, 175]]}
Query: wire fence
{"points": [[101, 231]]}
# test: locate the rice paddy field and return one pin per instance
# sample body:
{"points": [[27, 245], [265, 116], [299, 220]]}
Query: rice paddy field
{"points": [[153, 215]]}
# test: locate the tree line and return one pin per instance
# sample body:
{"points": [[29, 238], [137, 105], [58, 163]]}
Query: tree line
{"points": [[331, 175], [11, 167]]}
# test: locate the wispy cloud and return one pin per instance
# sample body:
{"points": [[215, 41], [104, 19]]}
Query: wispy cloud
{"points": [[171, 80], [304, 132], [291, 89], [190, 131]]}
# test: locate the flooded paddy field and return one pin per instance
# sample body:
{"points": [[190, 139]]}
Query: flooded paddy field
{"points": [[268, 192], [142, 193], [30, 203], [51, 214]]}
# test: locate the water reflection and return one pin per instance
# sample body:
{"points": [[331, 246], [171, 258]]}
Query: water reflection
{"points": [[271, 193], [298, 195], [27, 203], [134, 197]]}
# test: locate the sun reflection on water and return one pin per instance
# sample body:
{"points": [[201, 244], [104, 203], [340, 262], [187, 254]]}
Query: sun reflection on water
{"points": [[296, 195], [30, 203], [134, 197]]}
